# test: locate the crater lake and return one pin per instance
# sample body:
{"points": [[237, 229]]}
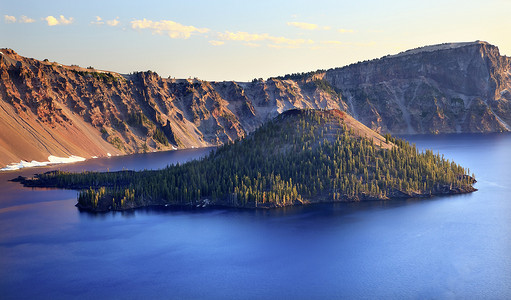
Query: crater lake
{"points": [[444, 247]]}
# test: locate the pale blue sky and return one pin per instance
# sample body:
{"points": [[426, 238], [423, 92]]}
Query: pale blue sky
{"points": [[241, 40]]}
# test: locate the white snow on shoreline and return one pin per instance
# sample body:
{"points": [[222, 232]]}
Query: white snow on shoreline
{"points": [[52, 160]]}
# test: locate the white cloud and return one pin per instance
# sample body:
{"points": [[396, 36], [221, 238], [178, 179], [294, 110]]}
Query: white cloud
{"points": [[252, 37], [99, 21], [113, 22], [172, 29], [342, 30], [52, 21], [9, 19], [25, 19], [216, 43], [64, 21]]}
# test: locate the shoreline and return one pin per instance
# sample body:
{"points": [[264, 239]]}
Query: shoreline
{"points": [[52, 160], [25, 165], [206, 204]]}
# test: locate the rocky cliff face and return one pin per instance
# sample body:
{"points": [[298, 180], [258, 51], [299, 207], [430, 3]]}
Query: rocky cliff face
{"points": [[50, 109], [463, 87]]}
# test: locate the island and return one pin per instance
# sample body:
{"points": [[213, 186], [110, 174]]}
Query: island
{"points": [[300, 157]]}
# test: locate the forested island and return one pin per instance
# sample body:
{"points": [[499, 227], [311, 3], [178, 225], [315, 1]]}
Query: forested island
{"points": [[300, 157]]}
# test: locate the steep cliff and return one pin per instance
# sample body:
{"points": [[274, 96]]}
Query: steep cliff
{"points": [[462, 87], [50, 109]]}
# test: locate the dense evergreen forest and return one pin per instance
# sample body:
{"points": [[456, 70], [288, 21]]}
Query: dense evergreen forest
{"points": [[302, 156]]}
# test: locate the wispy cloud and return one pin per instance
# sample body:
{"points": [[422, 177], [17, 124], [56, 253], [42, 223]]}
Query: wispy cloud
{"points": [[216, 43], [342, 30], [172, 29], [100, 21], [9, 19], [253, 37], [113, 22], [308, 26], [25, 19], [22, 19], [302, 25], [52, 21]]}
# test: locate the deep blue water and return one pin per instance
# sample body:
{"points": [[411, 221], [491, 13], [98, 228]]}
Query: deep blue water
{"points": [[445, 247]]}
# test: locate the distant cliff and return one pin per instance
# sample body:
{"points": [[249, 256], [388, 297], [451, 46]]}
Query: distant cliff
{"points": [[50, 109], [462, 87]]}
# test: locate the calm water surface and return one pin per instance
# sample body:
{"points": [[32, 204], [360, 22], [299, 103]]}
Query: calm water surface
{"points": [[450, 247]]}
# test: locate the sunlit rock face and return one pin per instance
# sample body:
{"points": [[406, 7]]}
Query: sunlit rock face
{"points": [[51, 109], [461, 87]]}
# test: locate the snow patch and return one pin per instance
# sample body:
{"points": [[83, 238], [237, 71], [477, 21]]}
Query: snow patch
{"points": [[52, 160]]}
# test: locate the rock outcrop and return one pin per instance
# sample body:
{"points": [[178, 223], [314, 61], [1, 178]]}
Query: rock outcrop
{"points": [[51, 109], [448, 88]]}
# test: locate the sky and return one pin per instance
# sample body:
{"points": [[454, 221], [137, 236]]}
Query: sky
{"points": [[241, 40]]}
